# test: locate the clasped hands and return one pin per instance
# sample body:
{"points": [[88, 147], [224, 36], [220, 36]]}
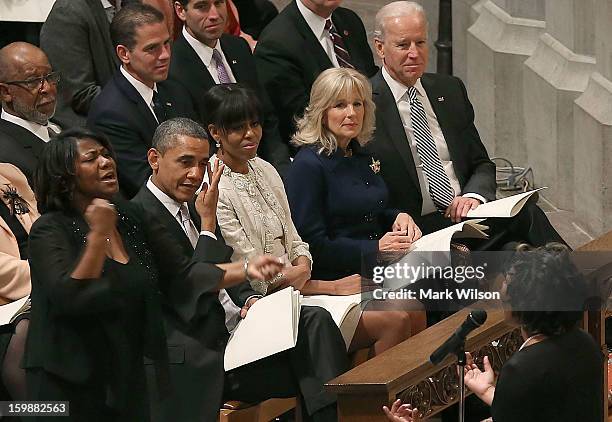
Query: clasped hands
{"points": [[404, 232], [481, 383]]}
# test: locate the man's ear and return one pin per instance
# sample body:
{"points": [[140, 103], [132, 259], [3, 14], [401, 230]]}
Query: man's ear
{"points": [[180, 11], [379, 47], [123, 53], [153, 156], [5, 95]]}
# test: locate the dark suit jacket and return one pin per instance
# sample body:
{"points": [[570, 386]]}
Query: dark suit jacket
{"points": [[474, 169], [187, 69], [289, 58], [121, 114], [20, 147], [76, 39], [195, 347], [339, 206]]}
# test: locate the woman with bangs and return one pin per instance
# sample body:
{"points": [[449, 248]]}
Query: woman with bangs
{"points": [[254, 215]]}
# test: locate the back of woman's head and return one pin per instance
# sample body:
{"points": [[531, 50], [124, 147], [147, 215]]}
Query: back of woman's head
{"points": [[545, 290], [55, 175], [331, 86], [231, 105]]}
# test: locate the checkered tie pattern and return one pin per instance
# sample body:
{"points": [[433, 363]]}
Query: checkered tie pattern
{"points": [[440, 189], [342, 54], [221, 70]]}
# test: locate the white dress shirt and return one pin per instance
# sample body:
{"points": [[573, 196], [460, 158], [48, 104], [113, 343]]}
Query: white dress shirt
{"points": [[400, 94], [205, 53], [42, 131], [145, 92], [232, 312], [317, 25]]}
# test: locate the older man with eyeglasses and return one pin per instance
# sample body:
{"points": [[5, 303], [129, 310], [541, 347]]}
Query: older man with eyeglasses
{"points": [[28, 90]]}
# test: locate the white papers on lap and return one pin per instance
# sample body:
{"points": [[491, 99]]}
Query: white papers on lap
{"points": [[10, 310], [270, 327], [440, 241], [344, 310], [505, 207]]}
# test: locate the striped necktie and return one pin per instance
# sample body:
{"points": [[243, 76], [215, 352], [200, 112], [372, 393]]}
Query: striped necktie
{"points": [[438, 183], [342, 54]]}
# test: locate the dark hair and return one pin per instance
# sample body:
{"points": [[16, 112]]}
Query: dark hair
{"points": [[184, 3], [55, 175], [167, 133], [228, 105], [546, 291], [128, 19]]}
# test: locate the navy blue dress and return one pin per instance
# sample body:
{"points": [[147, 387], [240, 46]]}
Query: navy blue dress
{"points": [[339, 206]]}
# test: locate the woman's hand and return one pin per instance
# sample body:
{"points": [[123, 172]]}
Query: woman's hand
{"points": [[394, 241], [401, 412], [481, 383], [264, 267], [206, 202], [403, 222], [101, 216], [348, 285]]}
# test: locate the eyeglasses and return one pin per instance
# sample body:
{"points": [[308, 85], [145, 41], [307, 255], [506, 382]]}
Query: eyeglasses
{"points": [[37, 83]]}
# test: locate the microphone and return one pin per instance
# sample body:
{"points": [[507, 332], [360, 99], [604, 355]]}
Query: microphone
{"points": [[474, 320]]}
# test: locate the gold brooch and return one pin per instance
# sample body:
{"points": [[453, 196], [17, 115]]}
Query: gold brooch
{"points": [[375, 166]]}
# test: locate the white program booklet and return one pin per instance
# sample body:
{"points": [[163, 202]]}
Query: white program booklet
{"points": [[344, 310], [11, 310], [440, 241], [270, 327], [505, 207]]}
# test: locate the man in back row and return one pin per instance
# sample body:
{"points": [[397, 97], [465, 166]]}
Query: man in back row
{"points": [[138, 98], [28, 90], [203, 56], [306, 38]]}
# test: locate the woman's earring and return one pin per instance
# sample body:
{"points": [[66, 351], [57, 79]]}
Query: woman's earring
{"points": [[217, 144]]}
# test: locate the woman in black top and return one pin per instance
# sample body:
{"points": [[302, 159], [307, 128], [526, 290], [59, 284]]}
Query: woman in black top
{"points": [[557, 373], [97, 274]]}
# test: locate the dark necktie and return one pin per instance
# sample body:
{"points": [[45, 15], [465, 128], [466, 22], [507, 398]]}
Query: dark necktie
{"points": [[158, 107], [438, 183], [52, 133], [342, 54]]}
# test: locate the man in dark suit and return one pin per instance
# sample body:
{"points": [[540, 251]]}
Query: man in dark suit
{"points": [[135, 100], [432, 158], [203, 56], [178, 159], [28, 89], [76, 37], [297, 46]]}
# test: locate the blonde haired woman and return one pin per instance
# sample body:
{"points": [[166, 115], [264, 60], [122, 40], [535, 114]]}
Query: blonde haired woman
{"points": [[338, 201]]}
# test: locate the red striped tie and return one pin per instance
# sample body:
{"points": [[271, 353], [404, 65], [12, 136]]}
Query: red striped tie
{"points": [[342, 54]]}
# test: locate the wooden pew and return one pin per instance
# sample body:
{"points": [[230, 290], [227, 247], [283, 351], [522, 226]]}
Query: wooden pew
{"points": [[405, 371]]}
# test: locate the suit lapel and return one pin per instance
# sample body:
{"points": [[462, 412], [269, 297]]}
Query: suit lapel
{"points": [[235, 62], [154, 206], [24, 138], [130, 92], [390, 120], [101, 20], [311, 43], [191, 64], [435, 92]]}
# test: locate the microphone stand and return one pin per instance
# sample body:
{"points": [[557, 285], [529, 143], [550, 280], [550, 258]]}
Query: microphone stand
{"points": [[461, 362]]}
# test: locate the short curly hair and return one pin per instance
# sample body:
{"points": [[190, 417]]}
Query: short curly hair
{"points": [[545, 290]]}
